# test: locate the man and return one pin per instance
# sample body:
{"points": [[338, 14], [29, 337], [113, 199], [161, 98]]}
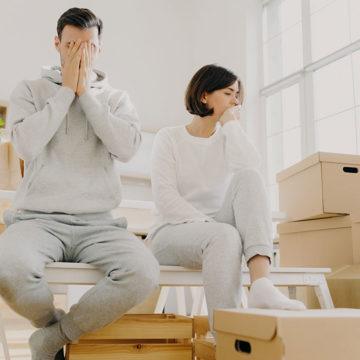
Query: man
{"points": [[70, 127]]}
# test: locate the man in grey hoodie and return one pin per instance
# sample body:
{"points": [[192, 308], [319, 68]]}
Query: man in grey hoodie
{"points": [[71, 128]]}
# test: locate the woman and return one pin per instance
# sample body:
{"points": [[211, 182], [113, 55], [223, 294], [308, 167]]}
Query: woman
{"points": [[211, 199]]}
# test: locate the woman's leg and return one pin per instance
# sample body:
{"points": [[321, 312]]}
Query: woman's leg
{"points": [[246, 207], [213, 246]]}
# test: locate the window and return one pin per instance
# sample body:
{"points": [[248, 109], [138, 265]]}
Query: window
{"points": [[311, 80], [283, 39]]}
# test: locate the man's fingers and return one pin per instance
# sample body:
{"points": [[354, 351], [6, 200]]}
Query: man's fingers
{"points": [[76, 57], [83, 59], [92, 54], [75, 49], [88, 52]]}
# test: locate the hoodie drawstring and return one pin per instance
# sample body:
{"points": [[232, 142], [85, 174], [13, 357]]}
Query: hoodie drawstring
{"points": [[86, 129]]}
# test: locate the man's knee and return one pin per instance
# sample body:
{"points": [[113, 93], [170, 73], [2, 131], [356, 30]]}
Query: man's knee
{"points": [[143, 274], [17, 272]]}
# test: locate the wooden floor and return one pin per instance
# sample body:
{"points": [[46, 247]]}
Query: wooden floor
{"points": [[18, 331]]}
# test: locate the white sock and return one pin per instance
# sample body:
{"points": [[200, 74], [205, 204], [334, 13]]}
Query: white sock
{"points": [[264, 295]]}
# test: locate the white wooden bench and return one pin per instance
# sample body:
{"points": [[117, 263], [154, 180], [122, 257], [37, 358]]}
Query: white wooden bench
{"points": [[83, 274], [62, 274]]}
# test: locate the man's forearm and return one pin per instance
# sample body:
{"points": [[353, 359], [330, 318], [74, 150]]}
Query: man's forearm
{"points": [[31, 130], [120, 132]]}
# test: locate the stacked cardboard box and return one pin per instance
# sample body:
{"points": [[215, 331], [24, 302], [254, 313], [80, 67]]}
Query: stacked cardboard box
{"points": [[321, 198], [256, 334]]}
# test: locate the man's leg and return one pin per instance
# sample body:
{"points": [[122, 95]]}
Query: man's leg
{"points": [[216, 247], [131, 273], [25, 249]]}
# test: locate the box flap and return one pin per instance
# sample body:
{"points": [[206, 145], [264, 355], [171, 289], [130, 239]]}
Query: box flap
{"points": [[349, 159], [300, 166], [254, 323], [313, 225], [311, 160], [264, 324]]}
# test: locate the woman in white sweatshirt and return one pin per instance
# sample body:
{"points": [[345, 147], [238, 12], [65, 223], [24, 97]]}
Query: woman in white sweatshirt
{"points": [[211, 199]]}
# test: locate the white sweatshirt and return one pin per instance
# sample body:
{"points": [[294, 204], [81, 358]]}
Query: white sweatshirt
{"points": [[190, 175]]}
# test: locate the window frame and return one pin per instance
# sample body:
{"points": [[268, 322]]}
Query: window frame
{"points": [[304, 78]]}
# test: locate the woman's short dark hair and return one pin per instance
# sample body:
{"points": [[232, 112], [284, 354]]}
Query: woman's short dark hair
{"points": [[81, 18], [207, 80]]}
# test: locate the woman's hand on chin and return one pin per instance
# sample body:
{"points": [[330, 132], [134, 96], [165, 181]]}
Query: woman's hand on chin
{"points": [[232, 113]]}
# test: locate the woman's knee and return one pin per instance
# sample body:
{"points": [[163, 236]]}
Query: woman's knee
{"points": [[248, 176], [225, 235]]}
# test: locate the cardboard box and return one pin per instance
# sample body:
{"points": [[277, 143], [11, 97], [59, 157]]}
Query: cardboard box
{"points": [[344, 286], [256, 334], [318, 243], [355, 219], [140, 336], [322, 185]]}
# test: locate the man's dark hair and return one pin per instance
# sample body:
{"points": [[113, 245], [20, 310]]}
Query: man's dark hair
{"points": [[81, 18], [207, 80]]}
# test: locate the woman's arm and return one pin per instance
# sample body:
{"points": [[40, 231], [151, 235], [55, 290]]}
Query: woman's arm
{"points": [[171, 205], [239, 151]]}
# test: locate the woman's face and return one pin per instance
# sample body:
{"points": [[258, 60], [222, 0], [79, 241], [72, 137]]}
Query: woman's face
{"points": [[223, 99]]}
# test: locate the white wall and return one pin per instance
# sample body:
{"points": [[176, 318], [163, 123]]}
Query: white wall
{"points": [[151, 48]]}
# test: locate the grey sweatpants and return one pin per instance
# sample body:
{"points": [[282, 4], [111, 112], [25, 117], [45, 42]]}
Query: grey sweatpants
{"points": [[242, 225], [34, 239]]}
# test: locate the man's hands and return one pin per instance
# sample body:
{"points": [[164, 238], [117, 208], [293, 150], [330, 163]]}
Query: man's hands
{"points": [[78, 66], [70, 70], [86, 64]]}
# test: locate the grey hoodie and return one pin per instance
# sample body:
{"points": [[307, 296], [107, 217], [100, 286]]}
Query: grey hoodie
{"points": [[70, 144]]}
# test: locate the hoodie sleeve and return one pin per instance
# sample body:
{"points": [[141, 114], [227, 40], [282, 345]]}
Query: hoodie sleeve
{"points": [[239, 151], [118, 129], [31, 129], [170, 204]]}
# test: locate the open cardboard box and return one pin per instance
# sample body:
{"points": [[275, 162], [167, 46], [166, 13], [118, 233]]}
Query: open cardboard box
{"points": [[322, 185], [256, 334]]}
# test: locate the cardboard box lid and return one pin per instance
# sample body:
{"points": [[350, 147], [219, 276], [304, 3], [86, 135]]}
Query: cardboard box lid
{"points": [[314, 224], [346, 159], [264, 324]]}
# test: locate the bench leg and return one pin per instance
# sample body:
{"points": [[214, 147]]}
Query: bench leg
{"points": [[3, 340], [198, 300], [323, 294], [180, 300], [160, 305]]}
